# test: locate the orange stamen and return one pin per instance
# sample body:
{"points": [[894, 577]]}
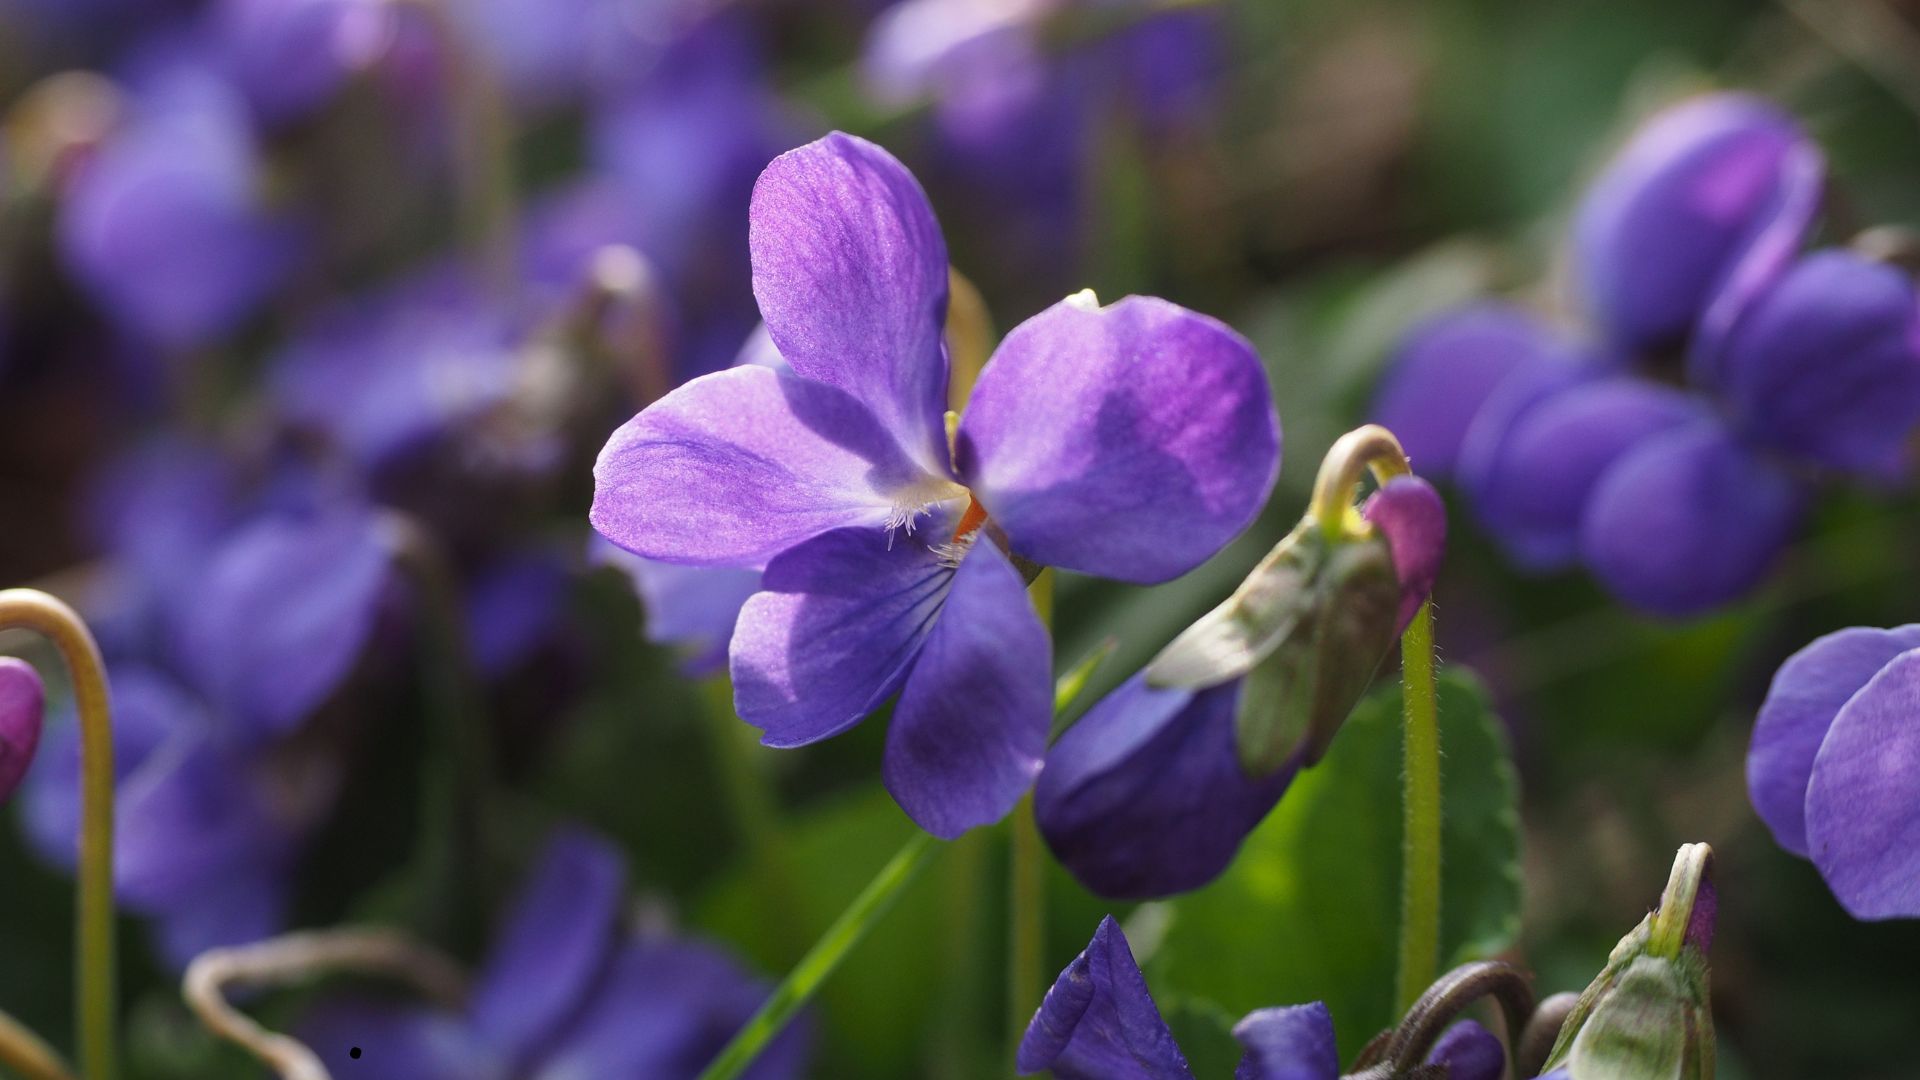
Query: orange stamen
{"points": [[975, 517]]}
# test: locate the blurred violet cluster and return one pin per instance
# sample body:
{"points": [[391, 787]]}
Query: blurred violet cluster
{"points": [[1727, 370]]}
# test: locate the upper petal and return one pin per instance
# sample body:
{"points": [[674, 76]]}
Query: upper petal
{"points": [[1801, 704], [1826, 364], [831, 636], [1293, 1042], [1680, 208], [284, 611], [557, 940], [1145, 796], [1099, 1022], [1445, 370], [736, 467], [850, 271], [1130, 441], [1863, 821], [967, 734], [1531, 485], [1688, 521]]}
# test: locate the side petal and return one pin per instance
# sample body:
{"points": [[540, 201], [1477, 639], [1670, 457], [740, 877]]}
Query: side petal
{"points": [[736, 467], [1680, 207], [284, 612], [1293, 1042], [1863, 821], [1531, 488], [1145, 795], [1825, 366], [1445, 370], [967, 734], [850, 271], [1688, 521], [557, 940], [1806, 695], [1130, 441], [1099, 1022], [831, 636]]}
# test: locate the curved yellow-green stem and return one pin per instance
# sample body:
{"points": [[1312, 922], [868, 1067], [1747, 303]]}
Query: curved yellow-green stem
{"points": [[30, 609]]}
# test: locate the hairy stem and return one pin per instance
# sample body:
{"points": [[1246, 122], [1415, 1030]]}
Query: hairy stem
{"points": [[29, 609], [1420, 844]]}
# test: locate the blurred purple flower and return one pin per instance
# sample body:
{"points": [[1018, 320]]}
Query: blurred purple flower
{"points": [[22, 712], [1130, 441], [1835, 762], [1099, 1022], [291, 56], [566, 990], [165, 226], [1716, 192], [208, 833], [690, 608]]}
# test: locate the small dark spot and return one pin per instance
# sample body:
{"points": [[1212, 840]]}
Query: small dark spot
{"points": [[354, 1053]]}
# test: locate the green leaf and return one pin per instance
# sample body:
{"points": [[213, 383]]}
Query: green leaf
{"points": [[1309, 911], [1204, 1031]]}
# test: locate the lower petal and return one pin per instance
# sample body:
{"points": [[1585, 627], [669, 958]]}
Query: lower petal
{"points": [[833, 631], [1688, 521], [1806, 696], [967, 735], [1863, 821]]}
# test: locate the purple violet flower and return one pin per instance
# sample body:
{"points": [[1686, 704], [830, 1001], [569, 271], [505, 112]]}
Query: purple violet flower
{"points": [[165, 226], [22, 711], [1130, 441], [1099, 1022], [1835, 762], [566, 990], [291, 56]]}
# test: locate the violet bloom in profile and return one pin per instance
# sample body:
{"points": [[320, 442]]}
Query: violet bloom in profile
{"points": [[166, 227], [1148, 793], [1835, 763], [22, 710], [566, 990], [1130, 441], [1099, 1022]]}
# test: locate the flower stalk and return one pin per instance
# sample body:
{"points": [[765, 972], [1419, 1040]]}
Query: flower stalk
{"points": [[28, 1055], [804, 980], [1374, 448], [30, 609], [1026, 884]]}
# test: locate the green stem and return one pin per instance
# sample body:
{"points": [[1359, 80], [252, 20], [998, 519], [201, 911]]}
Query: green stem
{"points": [[30, 609], [804, 980], [1420, 850]]}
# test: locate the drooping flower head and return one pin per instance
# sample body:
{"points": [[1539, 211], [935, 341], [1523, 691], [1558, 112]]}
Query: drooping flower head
{"points": [[1128, 441], [567, 989], [1099, 1022], [1154, 789], [22, 704], [1835, 762]]}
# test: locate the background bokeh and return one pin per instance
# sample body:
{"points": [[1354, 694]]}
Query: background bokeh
{"points": [[1319, 174]]}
